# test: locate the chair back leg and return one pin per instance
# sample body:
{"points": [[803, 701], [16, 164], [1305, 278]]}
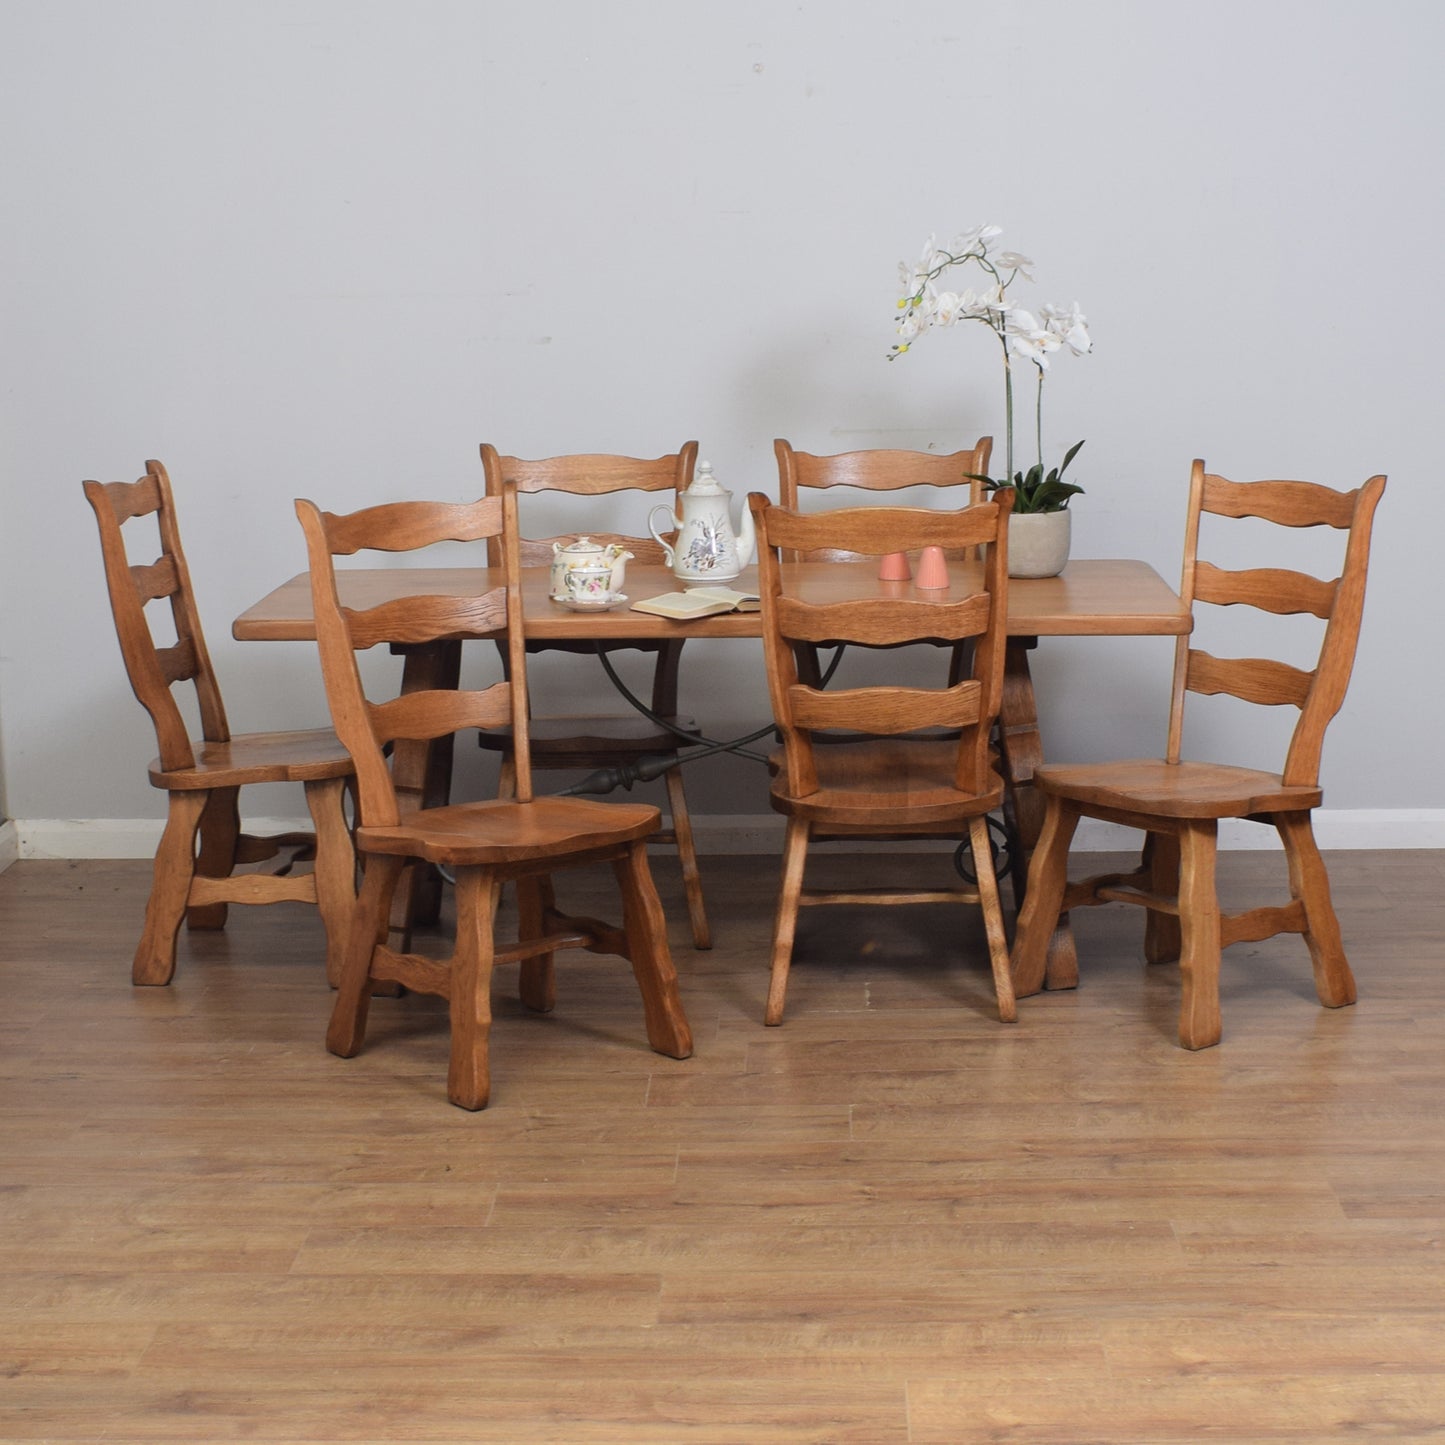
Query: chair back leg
{"points": [[216, 856], [1162, 941], [1199, 924], [1310, 885], [790, 890], [369, 927], [646, 928], [992, 917]]}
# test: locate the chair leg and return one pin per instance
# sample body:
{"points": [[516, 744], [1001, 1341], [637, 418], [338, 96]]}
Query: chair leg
{"points": [[175, 861], [216, 857], [1161, 930], [992, 918], [1044, 896], [537, 977], [795, 854], [368, 928], [335, 868], [1199, 936], [469, 999], [687, 857], [646, 928], [1310, 884]]}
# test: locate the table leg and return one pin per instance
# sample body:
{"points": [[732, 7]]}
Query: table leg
{"points": [[421, 772], [1022, 753]]}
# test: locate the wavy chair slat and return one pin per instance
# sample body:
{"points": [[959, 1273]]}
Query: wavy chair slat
{"points": [[133, 499], [876, 531], [400, 527], [1253, 679], [428, 714], [156, 579], [1271, 589], [891, 711], [883, 621], [178, 661], [537, 551], [1288, 504], [426, 619], [590, 474], [888, 469]]}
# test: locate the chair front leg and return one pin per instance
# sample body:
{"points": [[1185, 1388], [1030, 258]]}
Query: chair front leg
{"points": [[1044, 896], [469, 1001], [1199, 1025], [785, 925], [216, 858], [652, 966], [1310, 884], [1161, 930], [992, 918], [175, 865], [334, 870]]}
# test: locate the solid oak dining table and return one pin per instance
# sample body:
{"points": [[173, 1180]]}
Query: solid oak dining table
{"points": [[1090, 598]]}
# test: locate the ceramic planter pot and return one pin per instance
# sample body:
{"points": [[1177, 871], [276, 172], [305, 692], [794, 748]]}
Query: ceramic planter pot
{"points": [[1038, 543]]}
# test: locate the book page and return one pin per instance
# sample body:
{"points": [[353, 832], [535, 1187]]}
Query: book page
{"points": [[681, 606]]}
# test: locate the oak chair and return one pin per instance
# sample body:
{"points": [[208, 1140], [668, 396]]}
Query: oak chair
{"points": [[880, 470], [897, 776], [1179, 804], [523, 839], [610, 740], [203, 778]]}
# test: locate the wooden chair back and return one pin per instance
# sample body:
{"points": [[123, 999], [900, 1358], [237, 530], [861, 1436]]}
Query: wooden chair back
{"points": [[365, 727], [1320, 691], [155, 668], [591, 475], [884, 470], [892, 618]]}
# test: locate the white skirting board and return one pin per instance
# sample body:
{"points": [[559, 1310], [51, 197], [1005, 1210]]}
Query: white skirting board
{"points": [[746, 833]]}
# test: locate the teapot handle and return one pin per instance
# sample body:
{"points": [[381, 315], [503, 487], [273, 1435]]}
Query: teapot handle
{"points": [[672, 525]]}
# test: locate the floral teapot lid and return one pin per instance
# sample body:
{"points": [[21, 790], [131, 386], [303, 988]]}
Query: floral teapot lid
{"points": [[704, 484], [582, 547]]}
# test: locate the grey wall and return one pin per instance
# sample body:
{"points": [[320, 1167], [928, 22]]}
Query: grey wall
{"points": [[324, 248]]}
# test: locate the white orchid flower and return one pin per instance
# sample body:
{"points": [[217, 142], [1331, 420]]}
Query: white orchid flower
{"points": [[975, 241], [1026, 338], [1012, 261], [1069, 324], [946, 312]]}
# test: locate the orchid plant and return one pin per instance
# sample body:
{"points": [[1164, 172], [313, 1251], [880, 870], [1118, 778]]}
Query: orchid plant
{"points": [[1021, 334]]}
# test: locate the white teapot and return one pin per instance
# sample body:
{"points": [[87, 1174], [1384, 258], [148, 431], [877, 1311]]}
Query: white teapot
{"points": [[585, 553], [707, 549]]}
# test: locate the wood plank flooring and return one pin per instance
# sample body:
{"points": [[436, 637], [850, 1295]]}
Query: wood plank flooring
{"points": [[893, 1219]]}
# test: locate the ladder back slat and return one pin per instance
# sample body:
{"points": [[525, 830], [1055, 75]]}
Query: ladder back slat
{"points": [[890, 711], [1272, 589], [399, 527], [157, 580], [882, 622], [133, 499], [177, 662], [861, 529], [434, 714], [1253, 679], [426, 619], [1290, 504]]}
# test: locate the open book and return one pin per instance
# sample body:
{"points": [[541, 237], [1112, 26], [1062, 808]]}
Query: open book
{"points": [[699, 602]]}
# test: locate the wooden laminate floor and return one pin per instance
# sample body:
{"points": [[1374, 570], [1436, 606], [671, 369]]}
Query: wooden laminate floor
{"points": [[893, 1219]]}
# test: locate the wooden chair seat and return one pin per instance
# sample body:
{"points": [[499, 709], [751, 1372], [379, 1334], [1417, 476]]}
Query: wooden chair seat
{"points": [[1162, 789], [288, 757], [497, 831], [886, 782], [1178, 804]]}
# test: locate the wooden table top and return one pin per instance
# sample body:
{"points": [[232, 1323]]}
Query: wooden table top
{"points": [[1091, 598]]}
